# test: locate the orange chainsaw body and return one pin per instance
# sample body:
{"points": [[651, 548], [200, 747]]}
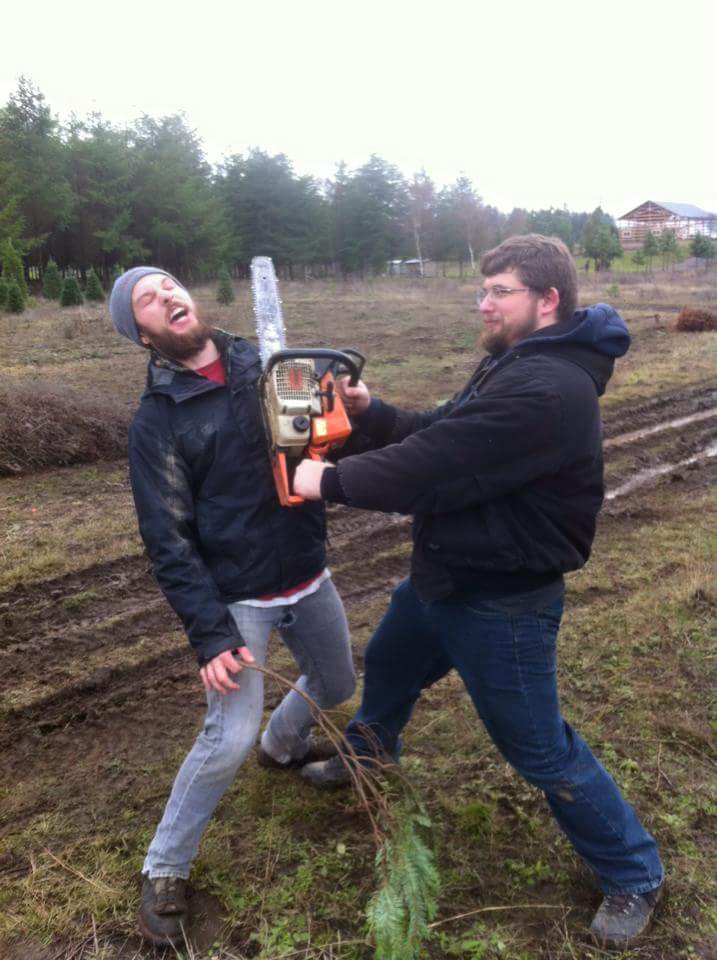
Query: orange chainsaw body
{"points": [[328, 432]]}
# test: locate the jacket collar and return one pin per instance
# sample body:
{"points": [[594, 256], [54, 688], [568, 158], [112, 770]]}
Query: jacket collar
{"points": [[171, 378]]}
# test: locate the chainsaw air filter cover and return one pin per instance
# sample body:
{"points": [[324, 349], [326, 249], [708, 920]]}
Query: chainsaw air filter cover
{"points": [[292, 390]]}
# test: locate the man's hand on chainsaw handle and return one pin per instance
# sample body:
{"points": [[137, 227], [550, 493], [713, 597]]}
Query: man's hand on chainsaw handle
{"points": [[307, 479], [216, 675], [356, 399]]}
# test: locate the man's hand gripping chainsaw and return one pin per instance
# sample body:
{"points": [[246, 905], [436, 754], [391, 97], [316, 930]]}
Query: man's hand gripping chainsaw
{"points": [[303, 412]]}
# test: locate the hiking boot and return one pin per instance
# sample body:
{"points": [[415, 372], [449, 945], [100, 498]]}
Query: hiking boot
{"points": [[319, 749], [327, 773], [622, 917], [163, 910]]}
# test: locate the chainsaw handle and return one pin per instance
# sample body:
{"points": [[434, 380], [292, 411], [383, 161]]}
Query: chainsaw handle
{"points": [[345, 357]]}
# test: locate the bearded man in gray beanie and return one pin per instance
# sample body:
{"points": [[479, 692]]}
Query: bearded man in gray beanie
{"points": [[231, 561]]}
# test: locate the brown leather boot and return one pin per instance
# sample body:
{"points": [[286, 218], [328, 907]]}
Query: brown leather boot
{"points": [[163, 910]]}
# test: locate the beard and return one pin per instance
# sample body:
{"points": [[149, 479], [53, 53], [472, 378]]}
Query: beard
{"points": [[503, 338], [180, 347]]}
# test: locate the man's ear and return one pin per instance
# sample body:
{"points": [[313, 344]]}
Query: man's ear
{"points": [[551, 301]]}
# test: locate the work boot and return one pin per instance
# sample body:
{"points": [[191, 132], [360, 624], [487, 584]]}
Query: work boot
{"points": [[319, 749], [163, 910], [623, 917], [327, 773]]}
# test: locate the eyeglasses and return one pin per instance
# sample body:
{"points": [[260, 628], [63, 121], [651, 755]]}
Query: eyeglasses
{"points": [[499, 293]]}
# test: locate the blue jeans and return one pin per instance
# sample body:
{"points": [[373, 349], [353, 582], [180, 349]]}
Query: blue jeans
{"points": [[508, 664], [315, 631]]}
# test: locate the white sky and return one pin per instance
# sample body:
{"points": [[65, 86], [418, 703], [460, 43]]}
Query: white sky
{"points": [[539, 103]]}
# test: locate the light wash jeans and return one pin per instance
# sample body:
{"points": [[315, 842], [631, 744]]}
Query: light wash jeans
{"points": [[316, 632]]}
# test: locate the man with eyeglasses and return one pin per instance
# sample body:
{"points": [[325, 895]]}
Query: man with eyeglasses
{"points": [[505, 482]]}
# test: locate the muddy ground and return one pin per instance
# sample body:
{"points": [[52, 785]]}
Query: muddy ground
{"points": [[101, 699], [83, 729]]}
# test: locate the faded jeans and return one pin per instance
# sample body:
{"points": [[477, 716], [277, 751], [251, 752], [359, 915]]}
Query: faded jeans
{"points": [[316, 632], [507, 660]]}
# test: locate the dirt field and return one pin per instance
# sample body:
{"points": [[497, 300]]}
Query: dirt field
{"points": [[101, 699]]}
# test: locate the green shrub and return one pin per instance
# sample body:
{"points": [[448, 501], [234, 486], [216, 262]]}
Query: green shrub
{"points": [[51, 281], [3, 293], [71, 295], [225, 291], [93, 290], [15, 299]]}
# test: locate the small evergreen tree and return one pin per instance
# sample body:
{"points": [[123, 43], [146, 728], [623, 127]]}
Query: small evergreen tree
{"points": [[93, 290], [117, 272], [13, 269], [703, 248], [225, 291], [639, 258], [3, 293], [51, 281], [71, 295], [650, 248], [15, 299]]}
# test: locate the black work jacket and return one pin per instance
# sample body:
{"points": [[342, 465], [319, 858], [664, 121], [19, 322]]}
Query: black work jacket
{"points": [[205, 497], [505, 481]]}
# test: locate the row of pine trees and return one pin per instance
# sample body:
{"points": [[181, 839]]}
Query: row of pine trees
{"points": [[14, 292], [88, 194]]}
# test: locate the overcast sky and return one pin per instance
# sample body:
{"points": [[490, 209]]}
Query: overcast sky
{"points": [[541, 104]]}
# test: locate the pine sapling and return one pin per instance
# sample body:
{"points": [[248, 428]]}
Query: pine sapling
{"points": [[405, 902], [3, 293], [93, 290], [15, 299], [71, 295], [13, 269], [51, 281], [225, 291]]}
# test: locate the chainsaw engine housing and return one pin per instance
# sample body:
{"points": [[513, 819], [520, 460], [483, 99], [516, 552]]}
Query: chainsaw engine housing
{"points": [[291, 399]]}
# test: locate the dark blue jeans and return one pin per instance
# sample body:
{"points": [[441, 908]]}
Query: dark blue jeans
{"points": [[508, 664]]}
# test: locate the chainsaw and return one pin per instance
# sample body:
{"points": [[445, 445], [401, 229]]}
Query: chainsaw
{"points": [[304, 414]]}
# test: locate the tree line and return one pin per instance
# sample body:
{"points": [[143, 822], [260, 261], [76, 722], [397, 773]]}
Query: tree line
{"points": [[88, 194]]}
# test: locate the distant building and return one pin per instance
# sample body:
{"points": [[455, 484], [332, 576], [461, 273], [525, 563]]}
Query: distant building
{"points": [[684, 218], [411, 268]]}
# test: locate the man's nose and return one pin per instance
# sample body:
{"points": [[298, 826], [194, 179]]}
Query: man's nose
{"points": [[486, 304]]}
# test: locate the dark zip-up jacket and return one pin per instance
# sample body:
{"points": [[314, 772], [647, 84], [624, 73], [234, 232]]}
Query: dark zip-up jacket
{"points": [[205, 497], [506, 479]]}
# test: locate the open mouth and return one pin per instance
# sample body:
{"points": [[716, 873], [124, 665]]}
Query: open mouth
{"points": [[177, 314]]}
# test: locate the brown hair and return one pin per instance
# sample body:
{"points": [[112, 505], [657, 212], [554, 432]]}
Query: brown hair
{"points": [[541, 263]]}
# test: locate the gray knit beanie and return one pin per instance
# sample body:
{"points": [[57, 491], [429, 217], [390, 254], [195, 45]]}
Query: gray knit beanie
{"points": [[121, 300]]}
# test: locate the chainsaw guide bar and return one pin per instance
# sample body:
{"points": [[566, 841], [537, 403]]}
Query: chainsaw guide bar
{"points": [[270, 329]]}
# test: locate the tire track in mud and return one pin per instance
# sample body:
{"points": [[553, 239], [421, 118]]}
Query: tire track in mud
{"points": [[114, 604], [663, 407], [82, 634]]}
